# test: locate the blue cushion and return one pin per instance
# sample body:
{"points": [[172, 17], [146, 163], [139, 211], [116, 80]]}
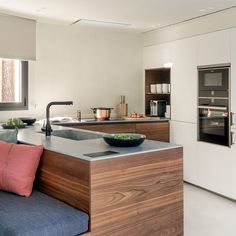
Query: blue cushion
{"points": [[39, 215], [9, 135]]}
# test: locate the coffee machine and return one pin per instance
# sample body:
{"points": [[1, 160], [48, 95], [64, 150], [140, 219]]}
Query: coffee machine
{"points": [[158, 108]]}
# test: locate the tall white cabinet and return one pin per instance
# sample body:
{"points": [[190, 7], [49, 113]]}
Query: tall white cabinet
{"points": [[184, 80], [207, 165], [183, 125]]}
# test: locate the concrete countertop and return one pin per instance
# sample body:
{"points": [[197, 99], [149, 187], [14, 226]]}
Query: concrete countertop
{"points": [[32, 135], [111, 121]]}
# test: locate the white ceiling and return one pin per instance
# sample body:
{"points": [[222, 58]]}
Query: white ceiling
{"points": [[139, 15]]}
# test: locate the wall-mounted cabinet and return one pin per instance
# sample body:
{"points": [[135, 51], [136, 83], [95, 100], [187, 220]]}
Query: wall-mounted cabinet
{"points": [[156, 78]]}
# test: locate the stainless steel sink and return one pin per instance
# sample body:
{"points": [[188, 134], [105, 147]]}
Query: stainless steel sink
{"points": [[75, 134]]}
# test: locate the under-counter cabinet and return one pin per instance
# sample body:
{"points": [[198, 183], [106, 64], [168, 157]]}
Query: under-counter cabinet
{"points": [[108, 128], [158, 131], [154, 131]]}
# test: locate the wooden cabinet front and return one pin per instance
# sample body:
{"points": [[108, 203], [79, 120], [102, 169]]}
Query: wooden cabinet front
{"points": [[109, 128], [158, 131], [154, 131]]}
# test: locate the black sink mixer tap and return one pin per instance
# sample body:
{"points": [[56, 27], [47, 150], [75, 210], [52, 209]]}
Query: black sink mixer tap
{"points": [[48, 128]]}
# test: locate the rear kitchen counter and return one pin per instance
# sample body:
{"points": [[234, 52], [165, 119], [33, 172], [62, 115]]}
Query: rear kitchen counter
{"points": [[77, 148], [110, 121], [154, 128]]}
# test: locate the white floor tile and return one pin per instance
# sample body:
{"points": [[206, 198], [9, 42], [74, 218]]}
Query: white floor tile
{"points": [[206, 214]]}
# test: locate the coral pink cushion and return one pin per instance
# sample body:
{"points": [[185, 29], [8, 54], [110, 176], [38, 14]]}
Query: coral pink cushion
{"points": [[18, 165]]}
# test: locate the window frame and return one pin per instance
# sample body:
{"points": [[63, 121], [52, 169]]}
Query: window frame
{"points": [[11, 106]]}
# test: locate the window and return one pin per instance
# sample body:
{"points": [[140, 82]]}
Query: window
{"points": [[13, 84]]}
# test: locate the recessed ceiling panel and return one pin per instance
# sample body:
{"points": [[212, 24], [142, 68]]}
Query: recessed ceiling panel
{"points": [[140, 15]]}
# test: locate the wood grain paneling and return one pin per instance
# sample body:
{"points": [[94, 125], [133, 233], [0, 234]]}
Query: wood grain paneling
{"points": [[154, 131], [137, 195], [142, 189], [65, 178], [109, 128], [158, 131]]}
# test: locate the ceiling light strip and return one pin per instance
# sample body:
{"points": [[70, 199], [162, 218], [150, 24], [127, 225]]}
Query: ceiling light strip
{"points": [[102, 22]]}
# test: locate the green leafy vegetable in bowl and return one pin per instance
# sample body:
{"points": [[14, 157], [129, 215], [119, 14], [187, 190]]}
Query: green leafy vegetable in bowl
{"points": [[123, 137], [14, 122]]}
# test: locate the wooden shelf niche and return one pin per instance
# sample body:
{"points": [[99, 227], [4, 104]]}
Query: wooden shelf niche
{"points": [[156, 76]]}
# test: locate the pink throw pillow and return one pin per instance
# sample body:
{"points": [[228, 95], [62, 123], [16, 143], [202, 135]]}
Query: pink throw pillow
{"points": [[18, 165]]}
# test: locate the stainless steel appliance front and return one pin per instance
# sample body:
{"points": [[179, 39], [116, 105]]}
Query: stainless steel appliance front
{"points": [[214, 81], [214, 117]]}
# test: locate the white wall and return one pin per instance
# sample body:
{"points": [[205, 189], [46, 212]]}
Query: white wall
{"points": [[90, 66]]}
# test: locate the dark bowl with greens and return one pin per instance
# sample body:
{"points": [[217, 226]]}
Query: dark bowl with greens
{"points": [[124, 139]]}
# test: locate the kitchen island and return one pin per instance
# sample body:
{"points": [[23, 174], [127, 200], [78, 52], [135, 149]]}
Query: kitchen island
{"points": [[135, 191]]}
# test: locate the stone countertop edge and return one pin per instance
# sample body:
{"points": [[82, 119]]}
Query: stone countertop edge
{"points": [[31, 135], [112, 121]]}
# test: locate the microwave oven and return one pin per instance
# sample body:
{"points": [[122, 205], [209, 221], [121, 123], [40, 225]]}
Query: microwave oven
{"points": [[214, 81]]}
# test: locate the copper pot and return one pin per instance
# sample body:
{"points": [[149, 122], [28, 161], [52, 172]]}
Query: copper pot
{"points": [[102, 113]]}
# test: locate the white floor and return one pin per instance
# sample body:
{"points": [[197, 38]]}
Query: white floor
{"points": [[207, 214]]}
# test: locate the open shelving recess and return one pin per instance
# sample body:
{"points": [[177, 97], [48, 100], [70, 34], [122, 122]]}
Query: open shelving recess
{"points": [[156, 76]]}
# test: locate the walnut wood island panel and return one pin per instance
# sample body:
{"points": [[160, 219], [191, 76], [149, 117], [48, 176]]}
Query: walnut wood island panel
{"points": [[133, 195]]}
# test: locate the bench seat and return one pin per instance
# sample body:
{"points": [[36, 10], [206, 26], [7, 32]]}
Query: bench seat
{"points": [[39, 215]]}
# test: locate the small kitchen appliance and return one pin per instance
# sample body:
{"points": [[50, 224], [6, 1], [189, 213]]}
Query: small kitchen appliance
{"points": [[158, 108]]}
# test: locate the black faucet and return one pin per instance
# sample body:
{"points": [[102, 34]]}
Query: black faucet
{"points": [[48, 128]]}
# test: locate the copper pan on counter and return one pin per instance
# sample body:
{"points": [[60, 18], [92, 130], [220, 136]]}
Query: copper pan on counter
{"points": [[102, 113]]}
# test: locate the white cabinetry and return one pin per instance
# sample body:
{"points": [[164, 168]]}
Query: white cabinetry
{"points": [[214, 48], [207, 165], [186, 135], [233, 73], [216, 167], [184, 81], [156, 56]]}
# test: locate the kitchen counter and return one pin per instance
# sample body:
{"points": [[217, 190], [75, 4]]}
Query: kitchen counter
{"points": [[111, 121], [32, 135]]}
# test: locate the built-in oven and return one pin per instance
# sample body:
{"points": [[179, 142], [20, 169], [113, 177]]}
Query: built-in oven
{"points": [[214, 125], [214, 116], [214, 81]]}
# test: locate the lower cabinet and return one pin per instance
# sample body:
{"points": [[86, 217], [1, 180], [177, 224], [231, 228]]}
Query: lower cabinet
{"points": [[154, 131], [109, 128], [158, 131], [186, 134]]}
